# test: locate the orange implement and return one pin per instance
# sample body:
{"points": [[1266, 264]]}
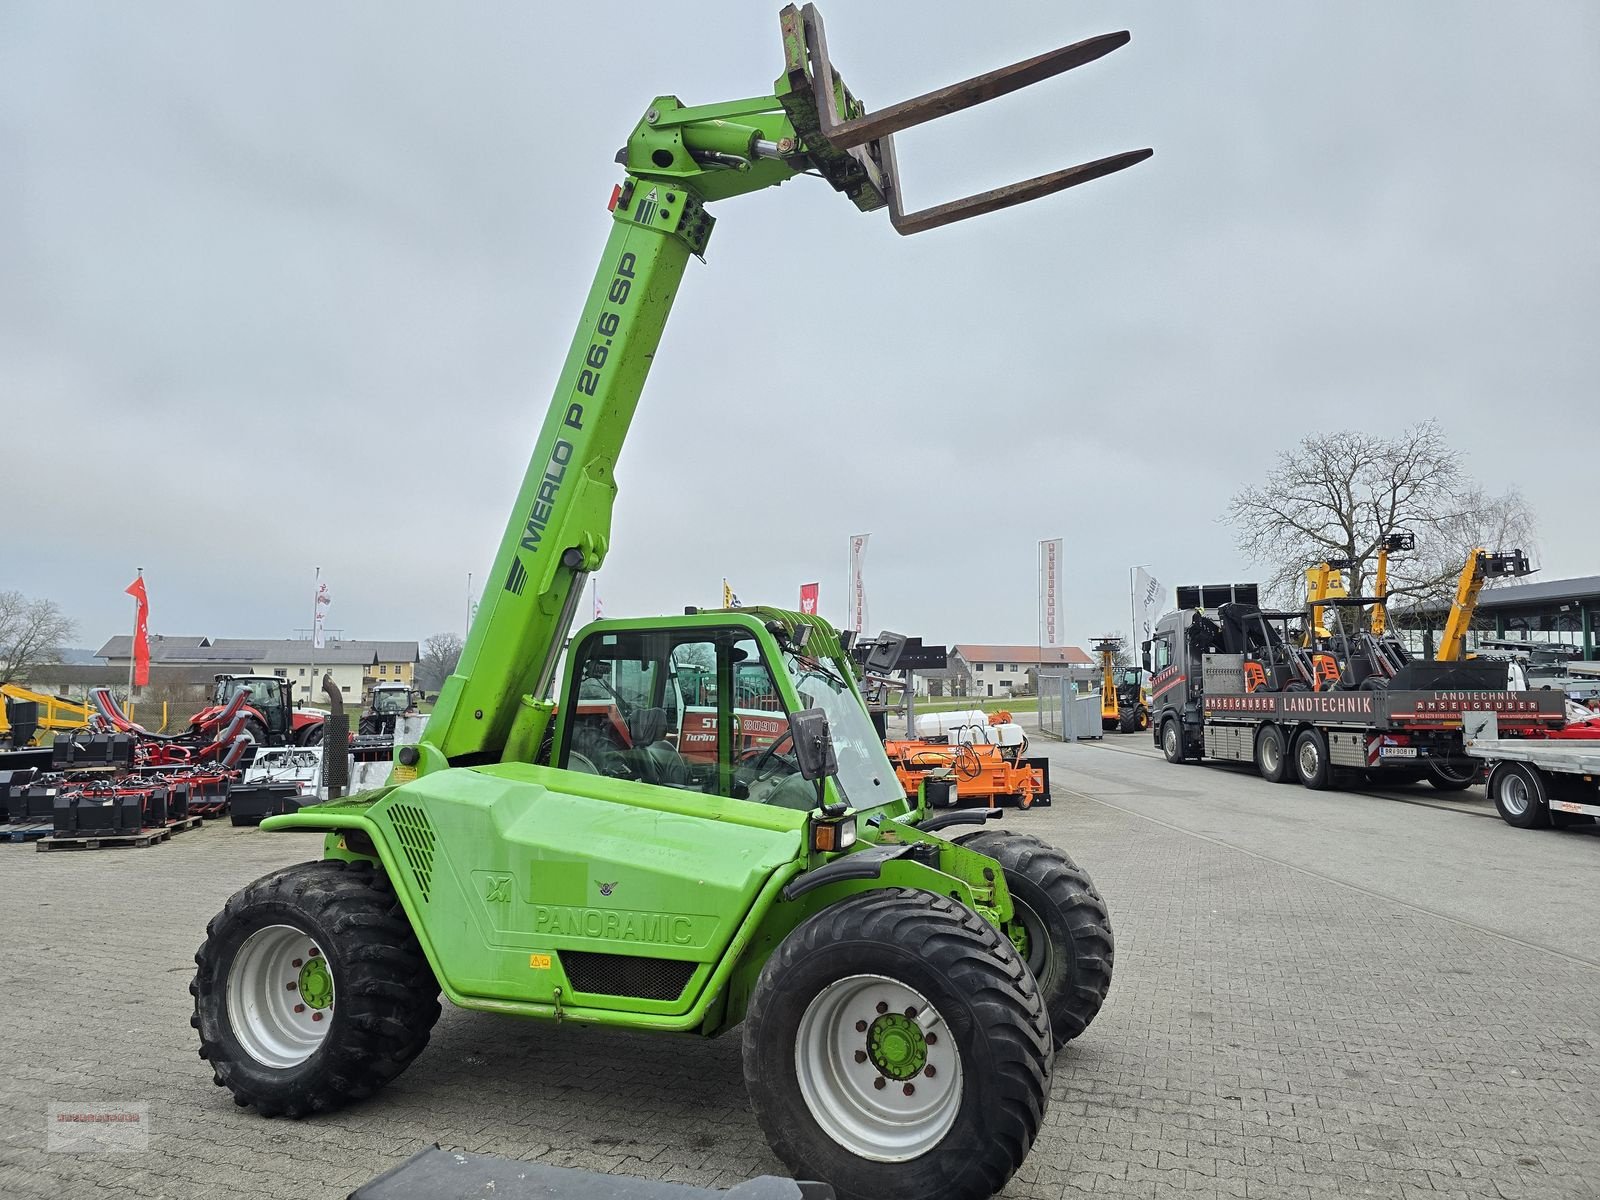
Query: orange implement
{"points": [[982, 773]]}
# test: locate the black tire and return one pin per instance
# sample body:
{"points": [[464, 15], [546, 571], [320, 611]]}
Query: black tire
{"points": [[993, 1014], [255, 731], [1297, 685], [1519, 796], [313, 735], [1063, 929], [1311, 760], [1272, 756], [1375, 683], [1451, 778], [1172, 740], [387, 997]]}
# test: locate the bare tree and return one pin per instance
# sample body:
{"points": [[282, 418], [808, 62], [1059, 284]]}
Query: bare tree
{"points": [[1339, 495], [440, 653], [31, 634]]}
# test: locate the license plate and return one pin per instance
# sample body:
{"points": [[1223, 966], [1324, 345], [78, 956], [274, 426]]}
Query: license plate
{"points": [[1397, 751]]}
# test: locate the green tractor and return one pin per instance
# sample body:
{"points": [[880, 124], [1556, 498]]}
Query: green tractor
{"points": [[698, 828]]}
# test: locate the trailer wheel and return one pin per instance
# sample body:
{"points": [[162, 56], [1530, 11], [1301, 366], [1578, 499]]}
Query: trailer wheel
{"points": [[1448, 777], [1172, 740], [1061, 928], [1311, 759], [1272, 759], [896, 1046], [1518, 794], [311, 990]]}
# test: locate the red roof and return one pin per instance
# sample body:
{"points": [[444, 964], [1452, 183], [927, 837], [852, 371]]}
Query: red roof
{"points": [[1027, 656]]}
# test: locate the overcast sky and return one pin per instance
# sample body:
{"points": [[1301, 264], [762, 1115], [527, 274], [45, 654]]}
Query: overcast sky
{"points": [[287, 285]]}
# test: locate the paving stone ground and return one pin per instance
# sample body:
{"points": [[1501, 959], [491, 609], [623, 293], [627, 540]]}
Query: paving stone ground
{"points": [[1291, 1017]]}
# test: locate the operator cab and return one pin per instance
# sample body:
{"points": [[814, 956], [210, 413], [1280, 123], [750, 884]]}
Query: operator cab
{"points": [[267, 694], [700, 709]]}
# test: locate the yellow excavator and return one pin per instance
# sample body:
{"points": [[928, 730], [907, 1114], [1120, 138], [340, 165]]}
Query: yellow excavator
{"points": [[55, 715]]}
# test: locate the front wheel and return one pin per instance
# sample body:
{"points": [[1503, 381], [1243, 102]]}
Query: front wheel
{"points": [[311, 990], [1060, 927], [1519, 796], [896, 1047], [1172, 740]]}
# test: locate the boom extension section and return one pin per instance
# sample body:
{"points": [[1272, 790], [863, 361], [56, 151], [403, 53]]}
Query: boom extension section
{"points": [[495, 706], [1481, 567]]}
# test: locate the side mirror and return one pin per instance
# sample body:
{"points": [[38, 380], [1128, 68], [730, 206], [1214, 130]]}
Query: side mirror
{"points": [[1144, 653], [813, 744], [885, 655]]}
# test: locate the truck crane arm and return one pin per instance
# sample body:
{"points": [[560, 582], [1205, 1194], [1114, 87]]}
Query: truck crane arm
{"points": [[495, 706]]}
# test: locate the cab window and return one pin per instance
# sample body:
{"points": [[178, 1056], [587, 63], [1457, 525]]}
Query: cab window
{"points": [[696, 710], [1161, 654]]}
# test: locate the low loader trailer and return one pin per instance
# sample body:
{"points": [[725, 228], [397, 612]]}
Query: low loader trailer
{"points": [[1539, 782]]}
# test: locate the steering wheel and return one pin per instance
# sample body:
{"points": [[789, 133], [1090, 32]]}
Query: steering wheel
{"points": [[770, 752]]}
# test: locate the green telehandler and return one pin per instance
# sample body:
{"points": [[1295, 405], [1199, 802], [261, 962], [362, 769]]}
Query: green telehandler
{"points": [[699, 828]]}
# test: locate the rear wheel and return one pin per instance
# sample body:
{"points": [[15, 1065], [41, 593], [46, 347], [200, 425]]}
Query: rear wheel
{"points": [[311, 735], [1061, 928], [311, 990], [1519, 796], [1311, 760], [897, 1047], [1272, 758], [254, 731]]}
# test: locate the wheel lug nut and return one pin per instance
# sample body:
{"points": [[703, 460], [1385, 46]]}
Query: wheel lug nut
{"points": [[316, 1016], [929, 1071], [289, 987], [297, 963], [908, 1089], [931, 1038], [861, 1056], [879, 1082], [299, 1008], [861, 1026], [882, 1007], [911, 1012]]}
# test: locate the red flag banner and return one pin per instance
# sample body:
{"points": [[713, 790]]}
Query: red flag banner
{"points": [[808, 598], [141, 634]]}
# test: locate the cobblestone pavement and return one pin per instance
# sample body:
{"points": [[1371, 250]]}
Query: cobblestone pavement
{"points": [[1288, 1019]]}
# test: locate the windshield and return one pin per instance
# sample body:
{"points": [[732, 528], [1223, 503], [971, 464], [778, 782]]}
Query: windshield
{"points": [[390, 700], [865, 776]]}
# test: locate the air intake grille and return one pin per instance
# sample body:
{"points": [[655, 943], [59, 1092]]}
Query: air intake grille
{"points": [[415, 831], [627, 974]]}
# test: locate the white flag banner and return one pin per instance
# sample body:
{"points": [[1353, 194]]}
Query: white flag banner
{"points": [[1050, 624], [1147, 593], [318, 641], [858, 587]]}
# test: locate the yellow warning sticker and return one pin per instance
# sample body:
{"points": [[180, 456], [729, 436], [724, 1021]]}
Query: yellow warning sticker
{"points": [[402, 773], [539, 962]]}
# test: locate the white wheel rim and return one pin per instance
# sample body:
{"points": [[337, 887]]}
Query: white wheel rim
{"points": [[1514, 794], [1171, 741], [853, 1035], [1271, 754], [280, 996]]}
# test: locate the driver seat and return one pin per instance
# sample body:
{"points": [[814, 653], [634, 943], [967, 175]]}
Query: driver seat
{"points": [[655, 759]]}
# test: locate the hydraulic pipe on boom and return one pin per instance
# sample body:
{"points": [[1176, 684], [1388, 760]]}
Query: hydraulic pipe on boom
{"points": [[495, 706]]}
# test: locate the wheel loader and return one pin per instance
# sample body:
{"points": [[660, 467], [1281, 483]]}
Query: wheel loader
{"points": [[901, 979]]}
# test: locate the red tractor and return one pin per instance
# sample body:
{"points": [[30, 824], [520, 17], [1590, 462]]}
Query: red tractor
{"points": [[270, 717]]}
